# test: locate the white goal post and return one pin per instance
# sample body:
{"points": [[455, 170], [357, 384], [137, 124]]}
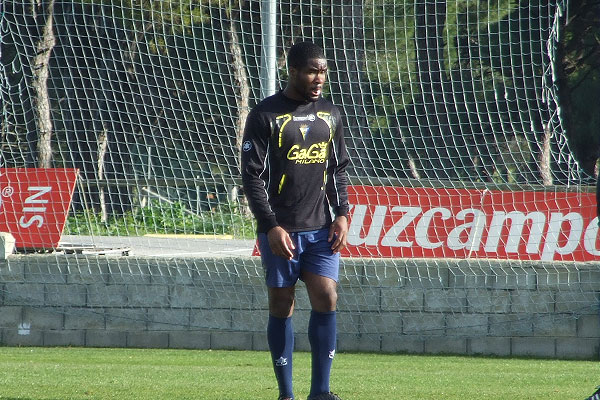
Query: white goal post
{"points": [[471, 215]]}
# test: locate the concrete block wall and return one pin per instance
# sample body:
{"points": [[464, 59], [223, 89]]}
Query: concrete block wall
{"points": [[504, 308]]}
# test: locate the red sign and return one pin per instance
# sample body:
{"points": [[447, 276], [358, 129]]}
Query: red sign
{"points": [[464, 223], [34, 203]]}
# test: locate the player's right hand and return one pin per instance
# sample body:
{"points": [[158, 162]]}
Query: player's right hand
{"points": [[281, 242]]}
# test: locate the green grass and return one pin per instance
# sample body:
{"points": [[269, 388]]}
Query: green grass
{"points": [[157, 217], [129, 374]]}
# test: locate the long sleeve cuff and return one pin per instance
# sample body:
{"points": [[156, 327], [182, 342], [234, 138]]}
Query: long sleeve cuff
{"points": [[264, 225], [341, 211]]}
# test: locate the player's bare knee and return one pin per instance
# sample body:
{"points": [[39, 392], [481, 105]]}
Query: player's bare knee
{"points": [[324, 301], [281, 303]]}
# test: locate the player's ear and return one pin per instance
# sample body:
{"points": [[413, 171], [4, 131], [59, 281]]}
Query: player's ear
{"points": [[292, 73]]}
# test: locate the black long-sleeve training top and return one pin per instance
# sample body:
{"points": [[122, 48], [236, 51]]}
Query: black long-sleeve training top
{"points": [[294, 164], [598, 198]]}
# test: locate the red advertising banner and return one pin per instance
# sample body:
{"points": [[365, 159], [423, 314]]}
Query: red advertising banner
{"points": [[465, 223], [34, 203]]}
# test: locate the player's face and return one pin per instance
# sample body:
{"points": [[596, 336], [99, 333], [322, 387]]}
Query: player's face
{"points": [[306, 83]]}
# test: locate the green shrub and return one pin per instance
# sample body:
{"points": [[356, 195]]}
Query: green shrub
{"points": [[165, 218]]}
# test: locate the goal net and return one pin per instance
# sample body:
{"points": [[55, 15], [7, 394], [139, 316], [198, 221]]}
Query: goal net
{"points": [[470, 214]]}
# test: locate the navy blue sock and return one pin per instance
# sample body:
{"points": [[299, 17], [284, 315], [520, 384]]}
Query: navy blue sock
{"points": [[280, 336], [322, 335]]}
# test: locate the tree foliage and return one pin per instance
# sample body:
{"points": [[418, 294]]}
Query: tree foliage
{"points": [[579, 80], [152, 89], [458, 91]]}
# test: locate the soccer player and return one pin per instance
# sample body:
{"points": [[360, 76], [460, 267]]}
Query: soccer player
{"points": [[598, 198], [294, 176], [596, 394]]}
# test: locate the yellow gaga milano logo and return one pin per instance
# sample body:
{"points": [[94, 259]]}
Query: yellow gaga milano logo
{"points": [[315, 154]]}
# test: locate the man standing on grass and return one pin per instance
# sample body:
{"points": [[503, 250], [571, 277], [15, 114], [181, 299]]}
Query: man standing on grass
{"points": [[294, 176], [598, 198], [596, 394]]}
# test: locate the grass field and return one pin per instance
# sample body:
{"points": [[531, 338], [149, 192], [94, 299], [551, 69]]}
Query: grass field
{"points": [[129, 374]]}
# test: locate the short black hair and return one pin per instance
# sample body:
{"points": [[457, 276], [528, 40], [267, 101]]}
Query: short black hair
{"points": [[301, 52]]}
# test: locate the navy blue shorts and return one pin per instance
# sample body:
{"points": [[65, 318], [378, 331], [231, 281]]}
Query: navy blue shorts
{"points": [[313, 253]]}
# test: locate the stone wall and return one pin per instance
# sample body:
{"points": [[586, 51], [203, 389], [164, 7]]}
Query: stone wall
{"points": [[505, 308]]}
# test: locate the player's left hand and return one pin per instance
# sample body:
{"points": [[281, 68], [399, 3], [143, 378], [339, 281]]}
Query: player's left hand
{"points": [[339, 231]]}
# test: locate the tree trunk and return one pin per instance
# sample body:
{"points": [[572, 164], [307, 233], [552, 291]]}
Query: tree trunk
{"points": [[241, 86], [102, 147], [545, 155], [39, 82]]}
